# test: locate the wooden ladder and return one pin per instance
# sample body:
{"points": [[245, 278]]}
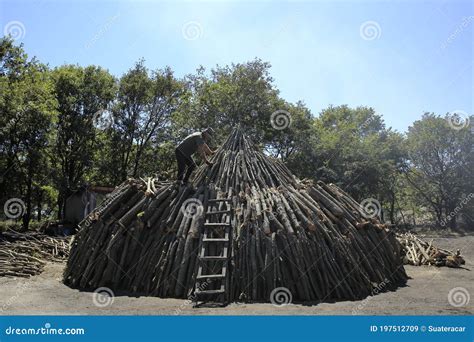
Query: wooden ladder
{"points": [[212, 279]]}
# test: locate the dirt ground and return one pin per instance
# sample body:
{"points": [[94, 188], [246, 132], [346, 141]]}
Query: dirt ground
{"points": [[425, 294]]}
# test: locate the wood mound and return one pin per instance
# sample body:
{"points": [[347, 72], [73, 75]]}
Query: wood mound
{"points": [[25, 254], [312, 240], [418, 252]]}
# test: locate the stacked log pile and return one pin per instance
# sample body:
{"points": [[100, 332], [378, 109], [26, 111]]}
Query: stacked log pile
{"points": [[26, 254], [311, 239], [418, 252]]}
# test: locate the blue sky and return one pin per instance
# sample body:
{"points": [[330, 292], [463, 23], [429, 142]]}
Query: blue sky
{"points": [[421, 58]]}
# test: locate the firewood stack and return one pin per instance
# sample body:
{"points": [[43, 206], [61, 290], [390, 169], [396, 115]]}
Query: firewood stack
{"points": [[418, 252], [26, 254], [286, 233]]}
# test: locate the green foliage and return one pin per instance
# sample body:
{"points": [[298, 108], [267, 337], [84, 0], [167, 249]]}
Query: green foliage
{"points": [[441, 164], [81, 93], [142, 112], [28, 109], [240, 94], [354, 149], [50, 142], [350, 147]]}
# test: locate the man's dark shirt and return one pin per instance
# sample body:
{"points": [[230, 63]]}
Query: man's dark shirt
{"points": [[190, 144]]}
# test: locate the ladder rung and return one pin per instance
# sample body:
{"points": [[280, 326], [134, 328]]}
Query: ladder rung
{"points": [[215, 240], [211, 276], [218, 212], [212, 257], [216, 224], [210, 292], [225, 253], [215, 275], [219, 200]]}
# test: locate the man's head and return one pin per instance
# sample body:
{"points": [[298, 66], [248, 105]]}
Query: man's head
{"points": [[207, 134]]}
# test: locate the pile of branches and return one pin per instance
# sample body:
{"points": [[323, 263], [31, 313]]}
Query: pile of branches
{"points": [[313, 240], [418, 252], [26, 254]]}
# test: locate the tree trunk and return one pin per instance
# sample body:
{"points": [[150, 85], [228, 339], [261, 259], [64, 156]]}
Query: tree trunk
{"points": [[39, 203], [392, 208], [137, 162], [27, 215]]}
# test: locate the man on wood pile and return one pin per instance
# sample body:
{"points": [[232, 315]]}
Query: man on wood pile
{"points": [[196, 142]]}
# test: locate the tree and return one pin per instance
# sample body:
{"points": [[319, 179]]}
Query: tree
{"points": [[143, 109], [244, 95], [82, 93], [354, 149], [440, 166], [291, 126], [28, 110], [240, 94]]}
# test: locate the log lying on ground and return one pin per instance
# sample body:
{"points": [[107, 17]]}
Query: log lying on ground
{"points": [[25, 254], [418, 252], [310, 238]]}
